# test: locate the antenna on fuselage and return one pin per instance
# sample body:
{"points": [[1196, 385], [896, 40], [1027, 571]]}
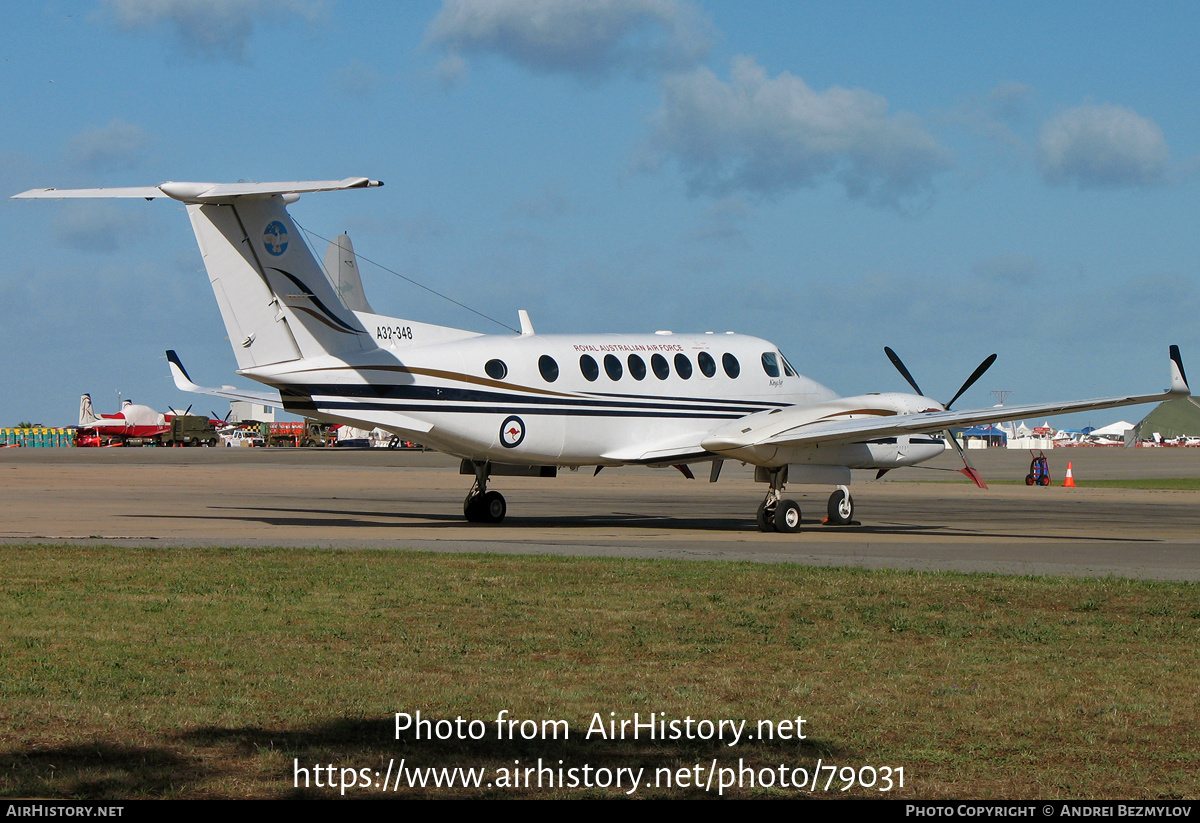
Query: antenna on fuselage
{"points": [[526, 323]]}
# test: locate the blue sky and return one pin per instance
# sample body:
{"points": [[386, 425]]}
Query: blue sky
{"points": [[949, 179]]}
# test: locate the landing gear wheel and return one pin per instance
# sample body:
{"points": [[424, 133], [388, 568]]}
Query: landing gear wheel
{"points": [[765, 517], [841, 508], [493, 507], [488, 507], [787, 517], [473, 508]]}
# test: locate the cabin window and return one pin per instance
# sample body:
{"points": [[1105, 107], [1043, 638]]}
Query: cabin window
{"points": [[683, 366], [612, 365], [732, 367], [770, 364], [658, 364], [588, 366], [548, 367], [787, 367], [637, 367], [708, 366], [496, 369]]}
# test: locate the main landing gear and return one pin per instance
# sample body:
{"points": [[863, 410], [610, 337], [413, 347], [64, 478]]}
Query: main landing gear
{"points": [[840, 508], [778, 514], [481, 505]]}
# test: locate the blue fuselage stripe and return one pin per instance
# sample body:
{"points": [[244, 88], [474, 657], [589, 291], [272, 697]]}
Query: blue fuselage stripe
{"points": [[435, 398]]}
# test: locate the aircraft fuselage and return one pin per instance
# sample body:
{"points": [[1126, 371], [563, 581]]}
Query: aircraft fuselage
{"points": [[573, 400]]}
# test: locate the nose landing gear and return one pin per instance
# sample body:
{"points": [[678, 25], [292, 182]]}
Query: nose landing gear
{"points": [[775, 514]]}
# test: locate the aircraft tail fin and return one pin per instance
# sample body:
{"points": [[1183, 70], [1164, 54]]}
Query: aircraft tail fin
{"points": [[276, 301], [342, 267], [87, 416]]}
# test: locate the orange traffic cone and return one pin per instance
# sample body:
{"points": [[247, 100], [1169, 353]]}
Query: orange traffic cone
{"points": [[1069, 483]]}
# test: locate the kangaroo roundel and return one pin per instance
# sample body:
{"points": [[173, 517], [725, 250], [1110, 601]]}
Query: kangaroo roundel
{"points": [[512, 432]]}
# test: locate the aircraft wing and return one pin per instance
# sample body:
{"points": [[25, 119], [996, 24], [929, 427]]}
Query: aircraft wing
{"points": [[772, 429], [184, 383], [108, 423]]}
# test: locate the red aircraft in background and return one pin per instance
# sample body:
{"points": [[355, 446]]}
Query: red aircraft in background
{"points": [[133, 425]]}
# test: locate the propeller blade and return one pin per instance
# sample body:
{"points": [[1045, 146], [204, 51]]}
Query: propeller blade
{"points": [[969, 470], [903, 371], [978, 373]]}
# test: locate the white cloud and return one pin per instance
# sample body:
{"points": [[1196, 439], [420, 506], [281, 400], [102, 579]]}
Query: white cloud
{"points": [[357, 80], [773, 135], [548, 204], [1103, 147], [97, 227], [722, 223], [421, 227], [995, 115], [582, 37], [1009, 270], [119, 146], [450, 70], [211, 28]]}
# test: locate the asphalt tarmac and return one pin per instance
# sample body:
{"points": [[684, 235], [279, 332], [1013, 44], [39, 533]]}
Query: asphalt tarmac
{"points": [[395, 500]]}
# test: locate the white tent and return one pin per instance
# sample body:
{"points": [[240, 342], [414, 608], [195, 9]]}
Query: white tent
{"points": [[1117, 429]]}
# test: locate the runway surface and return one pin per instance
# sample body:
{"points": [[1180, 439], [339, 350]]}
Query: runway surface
{"points": [[381, 499]]}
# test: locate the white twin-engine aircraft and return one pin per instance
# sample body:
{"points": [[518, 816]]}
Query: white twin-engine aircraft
{"points": [[528, 404]]}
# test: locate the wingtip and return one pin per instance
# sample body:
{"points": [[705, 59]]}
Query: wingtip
{"points": [[1179, 383], [182, 379]]}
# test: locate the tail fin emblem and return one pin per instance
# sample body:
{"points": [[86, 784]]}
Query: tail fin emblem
{"points": [[275, 238]]}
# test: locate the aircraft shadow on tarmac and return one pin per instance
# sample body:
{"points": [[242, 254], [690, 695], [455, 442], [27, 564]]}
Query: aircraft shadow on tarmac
{"points": [[337, 518]]}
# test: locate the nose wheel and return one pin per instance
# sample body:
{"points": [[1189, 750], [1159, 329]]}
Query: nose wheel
{"points": [[775, 514]]}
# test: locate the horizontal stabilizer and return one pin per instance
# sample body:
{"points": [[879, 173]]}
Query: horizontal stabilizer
{"points": [[204, 192]]}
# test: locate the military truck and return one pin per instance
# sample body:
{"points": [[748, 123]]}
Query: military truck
{"points": [[190, 430]]}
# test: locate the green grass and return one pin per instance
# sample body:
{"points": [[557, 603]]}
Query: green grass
{"points": [[203, 673]]}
